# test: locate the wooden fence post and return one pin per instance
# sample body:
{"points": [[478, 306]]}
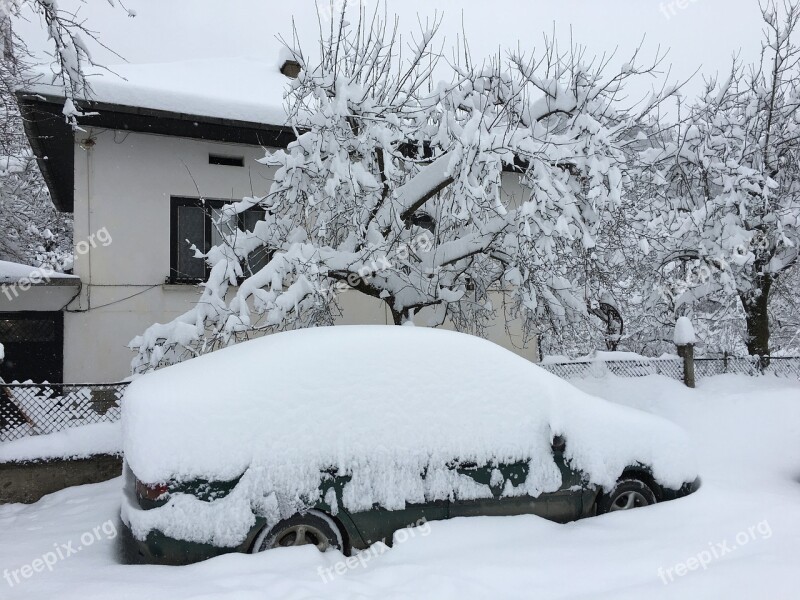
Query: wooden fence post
{"points": [[685, 339], [686, 352]]}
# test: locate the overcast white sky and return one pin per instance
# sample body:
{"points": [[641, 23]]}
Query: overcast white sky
{"points": [[706, 33]]}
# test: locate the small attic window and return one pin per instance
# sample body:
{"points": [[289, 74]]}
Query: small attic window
{"points": [[291, 68], [226, 161]]}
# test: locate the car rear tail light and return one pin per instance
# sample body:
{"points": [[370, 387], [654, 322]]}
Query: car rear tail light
{"points": [[151, 492]]}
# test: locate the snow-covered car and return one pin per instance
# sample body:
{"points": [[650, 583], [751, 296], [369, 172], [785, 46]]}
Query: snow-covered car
{"points": [[340, 436]]}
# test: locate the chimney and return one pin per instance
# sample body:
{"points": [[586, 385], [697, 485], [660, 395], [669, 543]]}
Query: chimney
{"points": [[291, 68]]}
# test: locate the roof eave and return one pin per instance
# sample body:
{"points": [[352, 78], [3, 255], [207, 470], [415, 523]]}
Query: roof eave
{"points": [[52, 138]]}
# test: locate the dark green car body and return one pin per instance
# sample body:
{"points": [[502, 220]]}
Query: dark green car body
{"points": [[575, 499]]}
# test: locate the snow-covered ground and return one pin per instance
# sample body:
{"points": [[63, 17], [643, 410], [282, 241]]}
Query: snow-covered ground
{"points": [[738, 537]]}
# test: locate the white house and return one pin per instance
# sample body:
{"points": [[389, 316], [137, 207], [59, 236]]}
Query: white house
{"points": [[152, 145]]}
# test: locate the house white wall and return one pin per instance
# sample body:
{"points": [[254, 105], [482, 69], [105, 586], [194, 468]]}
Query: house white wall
{"points": [[123, 185]]}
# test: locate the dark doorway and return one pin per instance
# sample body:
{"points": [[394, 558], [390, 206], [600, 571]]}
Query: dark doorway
{"points": [[34, 346]]}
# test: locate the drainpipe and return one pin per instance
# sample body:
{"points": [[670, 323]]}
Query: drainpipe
{"points": [[88, 145]]}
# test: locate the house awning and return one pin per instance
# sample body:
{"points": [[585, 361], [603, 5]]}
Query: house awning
{"points": [[24, 288]]}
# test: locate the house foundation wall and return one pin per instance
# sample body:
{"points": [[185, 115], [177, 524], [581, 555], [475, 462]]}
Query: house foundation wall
{"points": [[27, 482]]}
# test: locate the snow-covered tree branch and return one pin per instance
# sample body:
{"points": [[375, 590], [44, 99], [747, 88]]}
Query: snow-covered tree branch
{"points": [[69, 36], [730, 182], [394, 186]]}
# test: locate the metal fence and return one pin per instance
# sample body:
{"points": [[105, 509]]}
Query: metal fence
{"points": [[780, 366], [621, 368], [673, 367], [36, 409]]}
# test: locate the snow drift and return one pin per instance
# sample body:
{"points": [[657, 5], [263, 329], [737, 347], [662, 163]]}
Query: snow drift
{"points": [[380, 403]]}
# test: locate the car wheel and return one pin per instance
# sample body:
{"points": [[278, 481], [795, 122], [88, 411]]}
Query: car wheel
{"points": [[627, 494], [310, 528]]}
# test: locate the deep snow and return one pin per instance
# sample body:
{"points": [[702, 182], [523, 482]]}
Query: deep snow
{"points": [[746, 433]]}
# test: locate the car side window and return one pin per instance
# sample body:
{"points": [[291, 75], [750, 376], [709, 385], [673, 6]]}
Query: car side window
{"points": [[494, 476]]}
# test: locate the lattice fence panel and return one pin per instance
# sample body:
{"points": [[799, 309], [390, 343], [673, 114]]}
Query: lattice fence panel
{"points": [[36, 409], [703, 367], [620, 368]]}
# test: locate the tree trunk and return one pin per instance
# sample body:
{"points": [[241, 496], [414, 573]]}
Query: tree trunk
{"points": [[7, 40], [396, 315], [757, 316], [363, 286]]}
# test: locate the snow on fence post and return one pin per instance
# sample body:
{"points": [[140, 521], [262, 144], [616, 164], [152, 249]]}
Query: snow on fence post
{"points": [[685, 340]]}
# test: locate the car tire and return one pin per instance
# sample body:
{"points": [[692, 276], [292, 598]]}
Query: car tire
{"points": [[626, 495], [309, 528]]}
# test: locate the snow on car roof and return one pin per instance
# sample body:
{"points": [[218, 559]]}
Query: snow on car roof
{"points": [[240, 89], [347, 394]]}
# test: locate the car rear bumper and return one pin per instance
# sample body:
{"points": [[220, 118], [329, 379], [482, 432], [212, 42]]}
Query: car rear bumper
{"points": [[159, 549]]}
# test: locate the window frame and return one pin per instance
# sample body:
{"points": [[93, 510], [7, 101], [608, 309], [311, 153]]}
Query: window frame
{"points": [[208, 205]]}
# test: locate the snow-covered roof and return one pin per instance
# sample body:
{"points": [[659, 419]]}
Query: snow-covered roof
{"points": [[240, 89], [14, 272], [223, 99]]}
